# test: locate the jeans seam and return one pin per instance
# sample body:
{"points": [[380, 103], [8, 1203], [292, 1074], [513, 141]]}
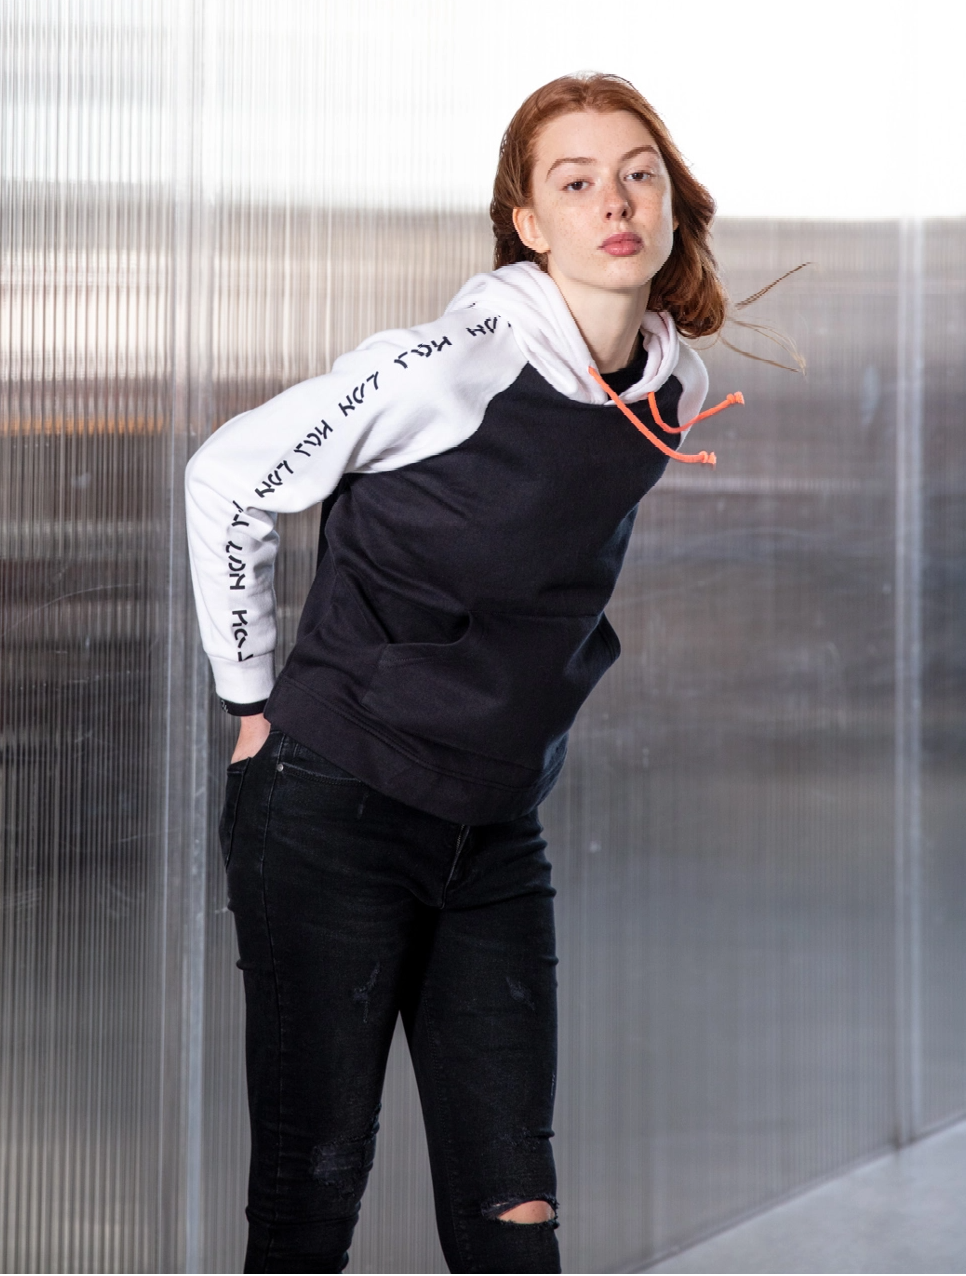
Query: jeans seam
{"points": [[242, 772], [278, 1000], [441, 1103], [323, 779], [461, 839]]}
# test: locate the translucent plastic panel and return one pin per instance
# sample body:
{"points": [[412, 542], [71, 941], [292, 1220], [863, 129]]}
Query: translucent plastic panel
{"points": [[85, 549], [725, 829], [758, 836]]}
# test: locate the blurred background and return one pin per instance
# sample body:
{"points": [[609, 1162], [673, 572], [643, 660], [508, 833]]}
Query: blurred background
{"points": [[759, 837]]}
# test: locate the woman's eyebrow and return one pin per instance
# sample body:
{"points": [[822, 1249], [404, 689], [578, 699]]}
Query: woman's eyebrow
{"points": [[570, 159], [639, 150], [588, 159]]}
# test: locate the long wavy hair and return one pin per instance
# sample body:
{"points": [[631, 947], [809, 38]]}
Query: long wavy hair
{"points": [[687, 285]]}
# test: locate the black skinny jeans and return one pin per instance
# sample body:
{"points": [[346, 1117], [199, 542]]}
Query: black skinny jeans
{"points": [[352, 908]]}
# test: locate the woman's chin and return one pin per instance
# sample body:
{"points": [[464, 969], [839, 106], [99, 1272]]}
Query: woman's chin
{"points": [[615, 274], [624, 274]]}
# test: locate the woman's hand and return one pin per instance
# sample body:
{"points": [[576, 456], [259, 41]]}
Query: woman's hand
{"points": [[252, 734]]}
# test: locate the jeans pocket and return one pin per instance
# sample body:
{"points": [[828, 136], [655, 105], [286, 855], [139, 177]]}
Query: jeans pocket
{"points": [[299, 758], [233, 788]]}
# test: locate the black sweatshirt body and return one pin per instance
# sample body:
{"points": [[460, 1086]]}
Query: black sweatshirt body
{"points": [[456, 622]]}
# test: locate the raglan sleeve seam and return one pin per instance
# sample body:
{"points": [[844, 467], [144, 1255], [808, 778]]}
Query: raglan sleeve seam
{"points": [[389, 400]]}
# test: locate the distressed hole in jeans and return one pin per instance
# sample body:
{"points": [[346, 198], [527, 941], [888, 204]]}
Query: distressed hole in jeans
{"points": [[520, 1138], [345, 1166], [360, 996], [520, 992], [526, 1211]]}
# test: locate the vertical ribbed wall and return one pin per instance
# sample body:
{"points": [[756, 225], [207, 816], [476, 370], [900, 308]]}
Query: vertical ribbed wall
{"points": [[85, 546], [758, 838]]}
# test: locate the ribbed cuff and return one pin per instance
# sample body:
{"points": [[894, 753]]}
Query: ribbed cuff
{"points": [[242, 710]]}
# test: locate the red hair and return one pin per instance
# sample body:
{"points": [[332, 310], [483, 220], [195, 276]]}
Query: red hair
{"points": [[687, 285]]}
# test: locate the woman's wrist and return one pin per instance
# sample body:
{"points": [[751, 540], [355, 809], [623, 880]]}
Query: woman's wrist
{"points": [[253, 731]]}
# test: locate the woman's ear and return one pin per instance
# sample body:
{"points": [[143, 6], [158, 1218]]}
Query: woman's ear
{"points": [[525, 224]]}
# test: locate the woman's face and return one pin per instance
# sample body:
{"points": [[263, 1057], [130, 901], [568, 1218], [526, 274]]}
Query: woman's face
{"points": [[601, 202]]}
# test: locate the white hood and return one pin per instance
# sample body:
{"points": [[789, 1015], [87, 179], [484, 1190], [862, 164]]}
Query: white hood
{"points": [[545, 330]]}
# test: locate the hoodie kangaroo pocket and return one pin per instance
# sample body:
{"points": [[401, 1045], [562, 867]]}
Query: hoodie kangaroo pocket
{"points": [[509, 687]]}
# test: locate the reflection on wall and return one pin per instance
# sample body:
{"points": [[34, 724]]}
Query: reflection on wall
{"points": [[760, 880]]}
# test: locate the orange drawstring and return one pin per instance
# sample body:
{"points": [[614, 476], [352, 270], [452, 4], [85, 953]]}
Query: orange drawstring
{"points": [[698, 458], [737, 397]]}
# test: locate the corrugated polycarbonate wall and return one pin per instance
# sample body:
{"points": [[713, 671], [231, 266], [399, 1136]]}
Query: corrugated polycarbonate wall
{"points": [[758, 839]]}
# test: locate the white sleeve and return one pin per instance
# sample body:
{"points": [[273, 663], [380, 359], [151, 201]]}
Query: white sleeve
{"points": [[401, 396]]}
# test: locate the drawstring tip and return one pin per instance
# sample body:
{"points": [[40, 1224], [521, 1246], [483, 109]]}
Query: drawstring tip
{"points": [[694, 458]]}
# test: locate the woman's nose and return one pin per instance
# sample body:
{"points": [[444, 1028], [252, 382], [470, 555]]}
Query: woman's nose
{"points": [[616, 204]]}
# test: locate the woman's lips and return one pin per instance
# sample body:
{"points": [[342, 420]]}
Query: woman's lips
{"points": [[623, 245]]}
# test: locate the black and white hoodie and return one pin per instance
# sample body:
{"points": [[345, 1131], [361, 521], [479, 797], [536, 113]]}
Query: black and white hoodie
{"points": [[482, 489]]}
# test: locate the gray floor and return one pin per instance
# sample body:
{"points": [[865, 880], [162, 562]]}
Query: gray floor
{"points": [[901, 1213]]}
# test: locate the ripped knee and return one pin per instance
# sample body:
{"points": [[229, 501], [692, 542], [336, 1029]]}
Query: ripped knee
{"points": [[344, 1167], [537, 1210]]}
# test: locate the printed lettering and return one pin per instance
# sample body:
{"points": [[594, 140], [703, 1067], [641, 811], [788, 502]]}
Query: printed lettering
{"points": [[481, 329], [237, 567], [240, 632], [438, 345], [314, 438], [401, 359], [274, 479], [424, 350], [356, 395]]}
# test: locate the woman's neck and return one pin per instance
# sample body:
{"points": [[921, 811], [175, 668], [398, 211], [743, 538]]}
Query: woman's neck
{"points": [[608, 321]]}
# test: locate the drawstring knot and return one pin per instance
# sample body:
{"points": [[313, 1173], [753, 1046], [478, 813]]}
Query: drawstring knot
{"points": [[696, 458]]}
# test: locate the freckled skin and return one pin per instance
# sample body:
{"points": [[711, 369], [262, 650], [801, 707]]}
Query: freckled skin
{"points": [[613, 182]]}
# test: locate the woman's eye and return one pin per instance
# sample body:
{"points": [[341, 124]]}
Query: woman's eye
{"points": [[577, 184], [642, 175]]}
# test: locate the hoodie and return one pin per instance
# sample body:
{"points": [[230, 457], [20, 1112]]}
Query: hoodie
{"points": [[481, 489]]}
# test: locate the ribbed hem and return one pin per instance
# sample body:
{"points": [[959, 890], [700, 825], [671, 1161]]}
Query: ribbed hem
{"points": [[244, 681], [453, 785]]}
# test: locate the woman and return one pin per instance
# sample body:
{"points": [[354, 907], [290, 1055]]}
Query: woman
{"points": [[383, 850]]}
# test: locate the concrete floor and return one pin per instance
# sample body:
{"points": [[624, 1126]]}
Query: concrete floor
{"points": [[900, 1213]]}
